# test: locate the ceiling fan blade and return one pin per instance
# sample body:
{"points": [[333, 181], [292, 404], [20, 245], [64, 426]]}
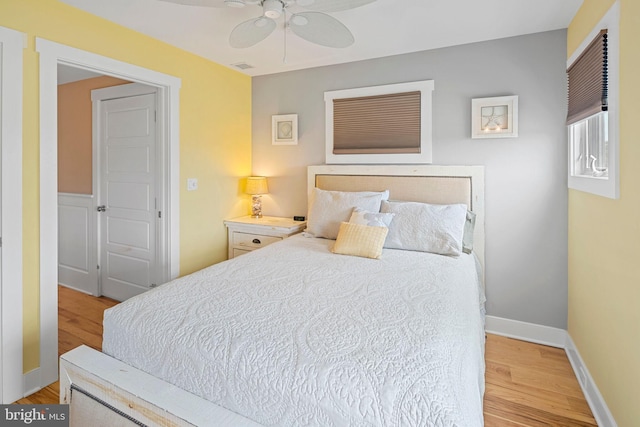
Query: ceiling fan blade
{"points": [[251, 32], [332, 5], [322, 29], [205, 3]]}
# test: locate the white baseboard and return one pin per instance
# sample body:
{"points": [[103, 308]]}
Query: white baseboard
{"points": [[77, 289], [600, 410], [524, 331], [560, 338], [31, 382]]}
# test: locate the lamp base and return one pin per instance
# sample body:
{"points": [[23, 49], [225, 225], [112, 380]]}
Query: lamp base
{"points": [[256, 206]]}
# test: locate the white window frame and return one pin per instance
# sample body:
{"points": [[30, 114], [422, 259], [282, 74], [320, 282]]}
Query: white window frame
{"points": [[609, 186], [426, 124]]}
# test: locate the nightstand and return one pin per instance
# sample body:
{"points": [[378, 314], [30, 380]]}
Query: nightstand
{"points": [[247, 234]]}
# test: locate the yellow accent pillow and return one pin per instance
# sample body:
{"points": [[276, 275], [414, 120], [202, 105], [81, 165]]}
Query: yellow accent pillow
{"points": [[360, 240]]}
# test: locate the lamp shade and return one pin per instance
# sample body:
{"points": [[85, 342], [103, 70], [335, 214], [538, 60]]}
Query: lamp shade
{"points": [[256, 185]]}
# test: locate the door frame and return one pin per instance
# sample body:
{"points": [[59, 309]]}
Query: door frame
{"points": [[52, 54], [105, 94], [12, 44]]}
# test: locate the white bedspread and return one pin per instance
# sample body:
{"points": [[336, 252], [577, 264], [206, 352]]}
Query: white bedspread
{"points": [[292, 334]]}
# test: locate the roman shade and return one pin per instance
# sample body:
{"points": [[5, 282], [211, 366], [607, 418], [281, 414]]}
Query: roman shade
{"points": [[588, 81], [378, 124]]}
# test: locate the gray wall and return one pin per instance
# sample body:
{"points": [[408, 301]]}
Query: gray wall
{"points": [[526, 191]]}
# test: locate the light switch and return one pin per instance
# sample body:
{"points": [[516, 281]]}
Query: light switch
{"points": [[192, 184]]}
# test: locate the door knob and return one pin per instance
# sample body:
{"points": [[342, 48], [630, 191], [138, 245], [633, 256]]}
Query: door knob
{"points": [[102, 208]]}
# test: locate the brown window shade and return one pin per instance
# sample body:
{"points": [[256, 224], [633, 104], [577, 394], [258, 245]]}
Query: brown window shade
{"points": [[588, 81], [377, 124]]}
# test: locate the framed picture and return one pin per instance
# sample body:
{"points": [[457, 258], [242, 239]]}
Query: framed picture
{"points": [[284, 129], [494, 117]]}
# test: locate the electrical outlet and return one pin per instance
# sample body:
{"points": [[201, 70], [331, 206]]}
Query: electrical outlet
{"points": [[192, 184]]}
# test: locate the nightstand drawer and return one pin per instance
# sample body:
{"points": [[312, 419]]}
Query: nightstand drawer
{"points": [[253, 241], [247, 233], [237, 252]]}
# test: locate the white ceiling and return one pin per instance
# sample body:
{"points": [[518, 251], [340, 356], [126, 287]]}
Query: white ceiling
{"points": [[382, 28], [72, 74]]}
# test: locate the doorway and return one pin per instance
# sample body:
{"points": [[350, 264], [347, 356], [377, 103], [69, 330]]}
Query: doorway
{"points": [[109, 215], [77, 195], [51, 55]]}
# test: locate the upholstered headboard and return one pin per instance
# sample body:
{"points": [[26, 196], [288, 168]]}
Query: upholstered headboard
{"points": [[415, 183]]}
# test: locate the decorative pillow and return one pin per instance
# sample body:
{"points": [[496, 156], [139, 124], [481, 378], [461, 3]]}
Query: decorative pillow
{"points": [[467, 236], [329, 208], [426, 228], [360, 240], [374, 219]]}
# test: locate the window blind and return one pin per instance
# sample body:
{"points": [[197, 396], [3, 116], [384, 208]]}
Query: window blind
{"points": [[377, 124], [588, 77]]}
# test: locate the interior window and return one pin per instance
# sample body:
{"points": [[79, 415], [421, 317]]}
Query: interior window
{"points": [[593, 110], [589, 142]]}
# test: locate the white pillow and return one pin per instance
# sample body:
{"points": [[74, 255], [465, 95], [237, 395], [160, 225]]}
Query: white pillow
{"points": [[426, 228], [329, 208], [373, 219]]}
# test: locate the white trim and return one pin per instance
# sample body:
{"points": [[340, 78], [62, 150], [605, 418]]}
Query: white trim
{"points": [[609, 187], [122, 91], [426, 133], [31, 382], [524, 331], [598, 406], [560, 338], [11, 289], [52, 54]]}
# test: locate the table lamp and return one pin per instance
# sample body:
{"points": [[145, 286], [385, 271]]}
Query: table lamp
{"points": [[256, 186]]}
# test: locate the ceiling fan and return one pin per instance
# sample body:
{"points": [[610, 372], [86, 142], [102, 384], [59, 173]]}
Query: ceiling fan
{"points": [[313, 25]]}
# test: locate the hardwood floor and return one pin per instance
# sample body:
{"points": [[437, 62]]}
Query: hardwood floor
{"points": [[79, 322], [531, 385], [527, 384]]}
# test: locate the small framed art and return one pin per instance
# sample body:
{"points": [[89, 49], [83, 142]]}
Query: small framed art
{"points": [[284, 129], [495, 117]]}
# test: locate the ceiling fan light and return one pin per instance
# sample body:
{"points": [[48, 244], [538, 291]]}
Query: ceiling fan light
{"points": [[299, 20], [235, 3], [261, 22], [272, 8]]}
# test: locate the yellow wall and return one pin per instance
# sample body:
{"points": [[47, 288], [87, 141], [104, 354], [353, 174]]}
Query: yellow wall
{"points": [[215, 135], [604, 269]]}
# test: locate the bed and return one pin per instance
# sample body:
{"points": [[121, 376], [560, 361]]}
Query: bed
{"points": [[295, 334]]}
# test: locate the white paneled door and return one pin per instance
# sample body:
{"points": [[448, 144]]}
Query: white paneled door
{"points": [[127, 203]]}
